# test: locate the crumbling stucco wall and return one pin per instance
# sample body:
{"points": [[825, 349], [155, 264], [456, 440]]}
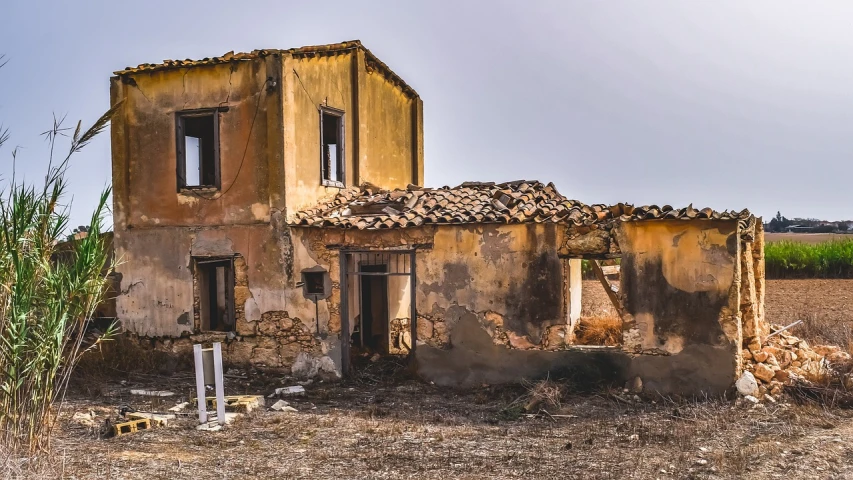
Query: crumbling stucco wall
{"points": [[509, 276], [681, 291]]}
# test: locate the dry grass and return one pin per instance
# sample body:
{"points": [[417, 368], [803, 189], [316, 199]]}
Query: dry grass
{"points": [[599, 330], [416, 430], [823, 330]]}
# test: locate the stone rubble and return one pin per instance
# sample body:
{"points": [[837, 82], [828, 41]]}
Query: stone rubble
{"points": [[784, 358]]}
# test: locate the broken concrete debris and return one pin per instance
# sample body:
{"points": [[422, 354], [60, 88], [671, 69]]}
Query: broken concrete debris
{"points": [[152, 393], [282, 406], [179, 407], [212, 425], [293, 390]]}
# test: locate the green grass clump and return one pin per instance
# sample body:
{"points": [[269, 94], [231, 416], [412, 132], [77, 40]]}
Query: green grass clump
{"points": [[787, 259]]}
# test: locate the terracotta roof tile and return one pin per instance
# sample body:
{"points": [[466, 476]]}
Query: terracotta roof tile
{"points": [[371, 61], [476, 202]]}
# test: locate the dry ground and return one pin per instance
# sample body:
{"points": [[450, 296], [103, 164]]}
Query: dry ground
{"points": [[408, 429], [413, 430], [807, 237]]}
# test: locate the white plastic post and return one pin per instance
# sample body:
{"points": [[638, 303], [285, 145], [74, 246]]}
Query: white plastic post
{"points": [[220, 383], [199, 384]]}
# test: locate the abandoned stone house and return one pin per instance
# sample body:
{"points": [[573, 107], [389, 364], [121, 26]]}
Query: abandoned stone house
{"points": [[270, 200]]}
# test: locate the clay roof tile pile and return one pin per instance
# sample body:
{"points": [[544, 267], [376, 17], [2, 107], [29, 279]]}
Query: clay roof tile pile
{"points": [[371, 208]]}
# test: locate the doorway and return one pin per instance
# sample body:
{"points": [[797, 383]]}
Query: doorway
{"points": [[373, 320], [378, 314]]}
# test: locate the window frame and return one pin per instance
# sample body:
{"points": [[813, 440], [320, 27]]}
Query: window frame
{"points": [[328, 182], [203, 266], [181, 154]]}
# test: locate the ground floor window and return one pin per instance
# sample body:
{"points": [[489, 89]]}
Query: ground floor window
{"points": [[214, 286]]}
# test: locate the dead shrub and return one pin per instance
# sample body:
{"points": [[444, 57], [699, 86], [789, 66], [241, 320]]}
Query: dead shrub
{"points": [[543, 394], [822, 330], [599, 330]]}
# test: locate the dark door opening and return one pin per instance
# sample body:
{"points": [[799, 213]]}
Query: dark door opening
{"points": [[216, 294], [373, 331]]}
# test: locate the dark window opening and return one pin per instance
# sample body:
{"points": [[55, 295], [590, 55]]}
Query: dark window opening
{"points": [[216, 294], [332, 147], [315, 283], [198, 149]]}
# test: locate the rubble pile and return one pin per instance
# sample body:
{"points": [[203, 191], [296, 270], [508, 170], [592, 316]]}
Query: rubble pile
{"points": [[784, 359]]}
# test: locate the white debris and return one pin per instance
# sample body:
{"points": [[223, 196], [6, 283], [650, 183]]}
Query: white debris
{"points": [[209, 427], [750, 398], [279, 405], [87, 419], [153, 393], [213, 425], [746, 384], [701, 461], [294, 390], [179, 407]]}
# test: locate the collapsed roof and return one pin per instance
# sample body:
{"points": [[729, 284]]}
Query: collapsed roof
{"points": [[521, 201]]}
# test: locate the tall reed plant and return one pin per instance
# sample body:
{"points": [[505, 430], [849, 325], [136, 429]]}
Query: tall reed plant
{"points": [[48, 292]]}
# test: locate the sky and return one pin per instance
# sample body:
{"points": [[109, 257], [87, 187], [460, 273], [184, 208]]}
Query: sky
{"points": [[726, 104]]}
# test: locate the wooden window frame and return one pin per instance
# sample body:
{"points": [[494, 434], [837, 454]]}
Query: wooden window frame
{"points": [[327, 182], [181, 154]]}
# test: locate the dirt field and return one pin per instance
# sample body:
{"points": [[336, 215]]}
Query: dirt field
{"points": [[413, 430], [806, 237], [370, 428], [790, 300]]}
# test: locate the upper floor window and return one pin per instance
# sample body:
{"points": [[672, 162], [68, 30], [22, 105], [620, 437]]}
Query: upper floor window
{"points": [[198, 148], [332, 147]]}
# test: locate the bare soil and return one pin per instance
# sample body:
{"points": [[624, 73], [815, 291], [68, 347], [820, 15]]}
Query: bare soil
{"points": [[399, 427], [790, 300], [807, 237]]}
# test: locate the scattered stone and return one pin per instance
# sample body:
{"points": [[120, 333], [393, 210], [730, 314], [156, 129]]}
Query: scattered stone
{"points": [[754, 345], [746, 384], [769, 398], [751, 399], [153, 393], [179, 407], [781, 376], [763, 373], [279, 405], [760, 356], [701, 461]]}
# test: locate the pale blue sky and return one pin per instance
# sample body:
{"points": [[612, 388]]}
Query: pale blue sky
{"points": [[726, 104]]}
